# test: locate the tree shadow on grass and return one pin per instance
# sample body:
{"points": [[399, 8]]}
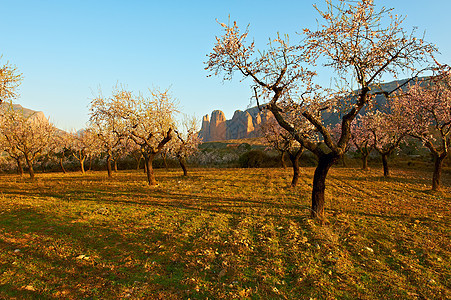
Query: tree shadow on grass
{"points": [[50, 258], [158, 197]]}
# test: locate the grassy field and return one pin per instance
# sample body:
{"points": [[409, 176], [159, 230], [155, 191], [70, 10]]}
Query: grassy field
{"points": [[224, 234]]}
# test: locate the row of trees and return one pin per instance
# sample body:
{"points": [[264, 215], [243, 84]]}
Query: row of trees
{"points": [[361, 44], [119, 125], [147, 123], [422, 110]]}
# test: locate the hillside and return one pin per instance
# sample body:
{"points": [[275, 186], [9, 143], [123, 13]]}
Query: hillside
{"points": [[26, 111]]}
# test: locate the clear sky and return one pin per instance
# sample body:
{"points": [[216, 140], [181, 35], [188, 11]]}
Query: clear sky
{"points": [[67, 50]]}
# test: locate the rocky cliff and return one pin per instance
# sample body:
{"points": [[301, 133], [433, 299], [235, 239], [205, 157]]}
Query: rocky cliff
{"points": [[26, 111], [244, 124]]}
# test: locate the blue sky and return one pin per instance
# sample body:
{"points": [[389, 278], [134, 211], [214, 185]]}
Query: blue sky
{"points": [[67, 50]]}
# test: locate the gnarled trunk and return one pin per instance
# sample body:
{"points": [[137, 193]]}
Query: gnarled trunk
{"points": [[62, 165], [438, 164], [138, 163], [365, 161], [182, 163], [150, 176], [385, 164], [82, 165], [319, 184], [115, 165], [108, 165], [282, 159], [294, 158], [30, 167], [19, 167], [164, 156]]}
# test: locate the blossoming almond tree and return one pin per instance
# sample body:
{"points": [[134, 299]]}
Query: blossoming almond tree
{"points": [[389, 127], [82, 144], [60, 148], [147, 120], [186, 141], [282, 141], [358, 42], [106, 123], [29, 135], [362, 139], [428, 109], [13, 152]]}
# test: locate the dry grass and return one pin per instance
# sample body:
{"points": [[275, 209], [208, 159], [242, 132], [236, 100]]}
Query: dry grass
{"points": [[224, 234]]}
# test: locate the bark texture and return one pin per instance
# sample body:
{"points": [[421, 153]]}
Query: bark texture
{"points": [[436, 176], [294, 158], [385, 164], [319, 184]]}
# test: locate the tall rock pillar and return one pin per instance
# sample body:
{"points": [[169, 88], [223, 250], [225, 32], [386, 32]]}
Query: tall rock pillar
{"points": [[205, 129], [217, 126]]}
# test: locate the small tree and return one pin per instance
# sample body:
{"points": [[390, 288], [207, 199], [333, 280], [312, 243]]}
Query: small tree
{"points": [[389, 126], [13, 152], [355, 40], [186, 142], [282, 141], [148, 121], [60, 148], [119, 151], [428, 109], [362, 139], [106, 124], [28, 135], [81, 145], [134, 151]]}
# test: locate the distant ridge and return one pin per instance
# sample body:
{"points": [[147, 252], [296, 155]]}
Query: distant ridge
{"points": [[26, 111], [246, 124]]}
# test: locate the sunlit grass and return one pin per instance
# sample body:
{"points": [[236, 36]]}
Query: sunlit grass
{"points": [[223, 234]]}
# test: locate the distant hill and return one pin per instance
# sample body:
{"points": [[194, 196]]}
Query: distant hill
{"points": [[26, 111]]}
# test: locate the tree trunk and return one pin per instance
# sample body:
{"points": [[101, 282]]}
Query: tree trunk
{"points": [[108, 165], [385, 164], [19, 167], [62, 165], [294, 158], [115, 165], [282, 159], [150, 176], [90, 163], [163, 155], [30, 167], [319, 184], [138, 163], [343, 162], [82, 165], [183, 165], [365, 161], [438, 164]]}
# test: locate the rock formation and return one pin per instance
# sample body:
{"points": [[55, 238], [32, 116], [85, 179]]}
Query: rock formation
{"points": [[26, 111], [204, 133], [217, 126], [240, 126], [244, 124]]}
